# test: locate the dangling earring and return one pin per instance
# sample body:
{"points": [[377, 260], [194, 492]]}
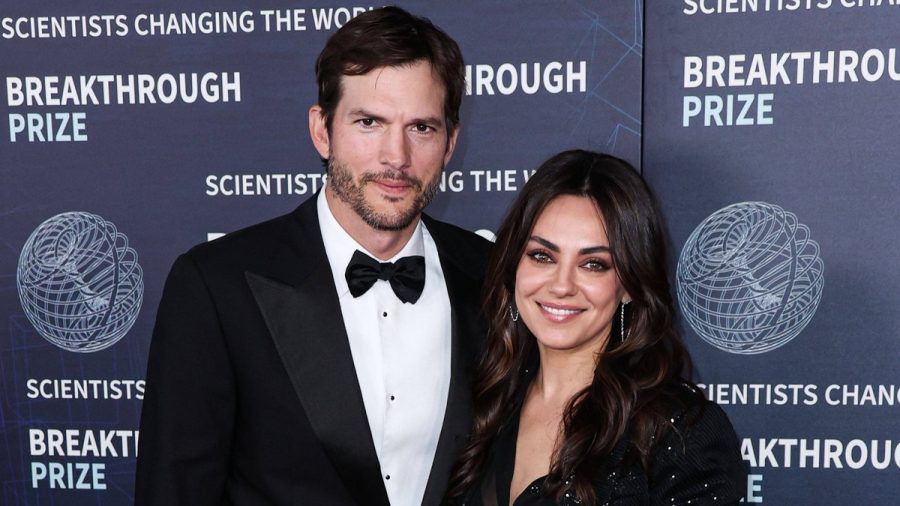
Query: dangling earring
{"points": [[513, 313], [622, 320]]}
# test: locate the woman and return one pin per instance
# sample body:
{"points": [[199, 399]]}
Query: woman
{"points": [[579, 398]]}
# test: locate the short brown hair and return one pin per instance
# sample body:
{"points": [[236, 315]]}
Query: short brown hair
{"points": [[389, 37]]}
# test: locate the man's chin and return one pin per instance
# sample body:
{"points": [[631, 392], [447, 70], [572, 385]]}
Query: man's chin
{"points": [[391, 219], [389, 205], [383, 211]]}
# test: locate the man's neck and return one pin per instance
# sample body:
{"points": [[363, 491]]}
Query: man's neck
{"points": [[384, 244]]}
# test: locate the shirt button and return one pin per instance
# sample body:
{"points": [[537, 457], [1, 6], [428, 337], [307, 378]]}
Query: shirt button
{"points": [[384, 314], [392, 397], [387, 477]]}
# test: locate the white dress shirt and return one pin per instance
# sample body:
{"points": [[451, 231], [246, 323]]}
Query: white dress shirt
{"points": [[401, 353]]}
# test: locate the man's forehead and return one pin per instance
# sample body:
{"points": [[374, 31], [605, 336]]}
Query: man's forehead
{"points": [[418, 67], [411, 82]]}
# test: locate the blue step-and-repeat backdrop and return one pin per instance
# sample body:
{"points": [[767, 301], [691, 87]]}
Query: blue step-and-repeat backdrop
{"points": [[769, 136], [132, 131]]}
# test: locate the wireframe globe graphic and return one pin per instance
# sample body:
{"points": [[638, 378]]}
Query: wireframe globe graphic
{"points": [[79, 283], [750, 278]]}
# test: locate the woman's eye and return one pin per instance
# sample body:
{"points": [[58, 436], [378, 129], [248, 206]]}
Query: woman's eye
{"points": [[595, 265], [540, 257]]}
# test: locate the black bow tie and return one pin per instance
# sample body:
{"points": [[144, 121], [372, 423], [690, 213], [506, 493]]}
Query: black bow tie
{"points": [[407, 275]]}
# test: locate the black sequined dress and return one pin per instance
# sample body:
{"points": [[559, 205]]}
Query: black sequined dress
{"points": [[699, 463]]}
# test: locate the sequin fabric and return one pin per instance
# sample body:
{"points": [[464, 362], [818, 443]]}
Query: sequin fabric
{"points": [[697, 464]]}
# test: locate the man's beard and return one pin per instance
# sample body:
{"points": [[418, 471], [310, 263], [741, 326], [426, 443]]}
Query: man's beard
{"points": [[340, 179]]}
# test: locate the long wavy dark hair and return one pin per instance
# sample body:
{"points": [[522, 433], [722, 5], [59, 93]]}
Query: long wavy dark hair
{"points": [[636, 380]]}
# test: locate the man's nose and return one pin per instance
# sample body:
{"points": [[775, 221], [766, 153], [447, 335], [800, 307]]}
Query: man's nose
{"points": [[395, 151]]}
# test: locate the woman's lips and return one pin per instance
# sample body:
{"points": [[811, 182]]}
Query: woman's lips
{"points": [[559, 312]]}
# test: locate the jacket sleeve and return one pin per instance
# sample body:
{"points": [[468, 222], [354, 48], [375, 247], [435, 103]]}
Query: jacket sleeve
{"points": [[189, 404], [700, 462]]}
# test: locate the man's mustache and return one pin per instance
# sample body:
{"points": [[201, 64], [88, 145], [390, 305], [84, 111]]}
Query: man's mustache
{"points": [[391, 175]]}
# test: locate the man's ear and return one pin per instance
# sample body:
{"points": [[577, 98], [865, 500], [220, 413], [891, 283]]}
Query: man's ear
{"points": [[451, 144], [318, 132]]}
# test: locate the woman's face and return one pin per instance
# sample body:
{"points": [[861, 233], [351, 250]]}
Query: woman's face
{"points": [[567, 290]]}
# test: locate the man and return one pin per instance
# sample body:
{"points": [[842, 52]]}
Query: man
{"points": [[291, 363]]}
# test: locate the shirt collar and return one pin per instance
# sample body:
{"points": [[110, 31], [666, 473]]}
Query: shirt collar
{"points": [[339, 245]]}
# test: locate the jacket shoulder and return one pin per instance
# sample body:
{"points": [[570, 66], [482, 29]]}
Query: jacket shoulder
{"points": [[467, 248], [244, 249]]}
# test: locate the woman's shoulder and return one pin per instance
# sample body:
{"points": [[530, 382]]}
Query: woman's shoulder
{"points": [[701, 442], [694, 423], [688, 407]]}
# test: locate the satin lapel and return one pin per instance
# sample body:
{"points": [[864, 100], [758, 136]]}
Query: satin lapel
{"points": [[304, 318], [466, 332]]}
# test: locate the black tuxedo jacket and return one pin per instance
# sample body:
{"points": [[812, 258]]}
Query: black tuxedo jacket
{"points": [[252, 397]]}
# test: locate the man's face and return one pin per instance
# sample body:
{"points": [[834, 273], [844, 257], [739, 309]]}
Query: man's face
{"points": [[388, 144]]}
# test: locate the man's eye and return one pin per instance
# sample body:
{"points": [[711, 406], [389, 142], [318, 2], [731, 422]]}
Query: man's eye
{"points": [[367, 122], [422, 128]]}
